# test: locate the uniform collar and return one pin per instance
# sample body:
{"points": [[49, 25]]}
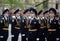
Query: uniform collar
{"points": [[18, 17]]}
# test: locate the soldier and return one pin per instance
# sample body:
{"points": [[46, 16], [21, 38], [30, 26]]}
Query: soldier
{"points": [[33, 29], [53, 25], [58, 28], [4, 25], [1, 23], [16, 25], [24, 25], [46, 18], [42, 28]]}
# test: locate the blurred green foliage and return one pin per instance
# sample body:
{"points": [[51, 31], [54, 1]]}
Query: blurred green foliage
{"points": [[14, 3], [17, 3]]}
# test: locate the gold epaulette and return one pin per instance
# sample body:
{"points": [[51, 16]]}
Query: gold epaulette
{"points": [[32, 30], [28, 26], [43, 27], [17, 28], [51, 29], [5, 28]]}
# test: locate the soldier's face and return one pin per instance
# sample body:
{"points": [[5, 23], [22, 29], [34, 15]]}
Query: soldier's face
{"points": [[21, 11], [12, 11], [32, 14], [51, 14], [27, 14], [46, 15], [41, 15], [18, 14], [6, 14]]}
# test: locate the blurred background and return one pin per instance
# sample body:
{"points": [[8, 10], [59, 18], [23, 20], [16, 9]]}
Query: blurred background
{"points": [[24, 4]]}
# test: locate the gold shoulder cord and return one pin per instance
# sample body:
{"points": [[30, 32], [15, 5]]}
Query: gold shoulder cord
{"points": [[45, 23], [18, 25], [42, 25], [26, 22], [48, 24], [32, 30], [5, 25], [4, 21]]}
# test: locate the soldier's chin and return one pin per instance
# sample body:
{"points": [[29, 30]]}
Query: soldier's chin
{"points": [[7, 16]]}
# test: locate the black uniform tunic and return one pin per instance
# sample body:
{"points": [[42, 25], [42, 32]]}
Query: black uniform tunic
{"points": [[51, 36]]}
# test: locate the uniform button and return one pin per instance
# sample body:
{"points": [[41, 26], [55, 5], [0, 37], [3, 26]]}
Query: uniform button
{"points": [[12, 36], [37, 38], [43, 33], [34, 22], [27, 39], [57, 38], [23, 34], [1, 36]]}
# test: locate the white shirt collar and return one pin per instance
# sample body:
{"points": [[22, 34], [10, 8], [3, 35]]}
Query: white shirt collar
{"points": [[18, 17]]}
